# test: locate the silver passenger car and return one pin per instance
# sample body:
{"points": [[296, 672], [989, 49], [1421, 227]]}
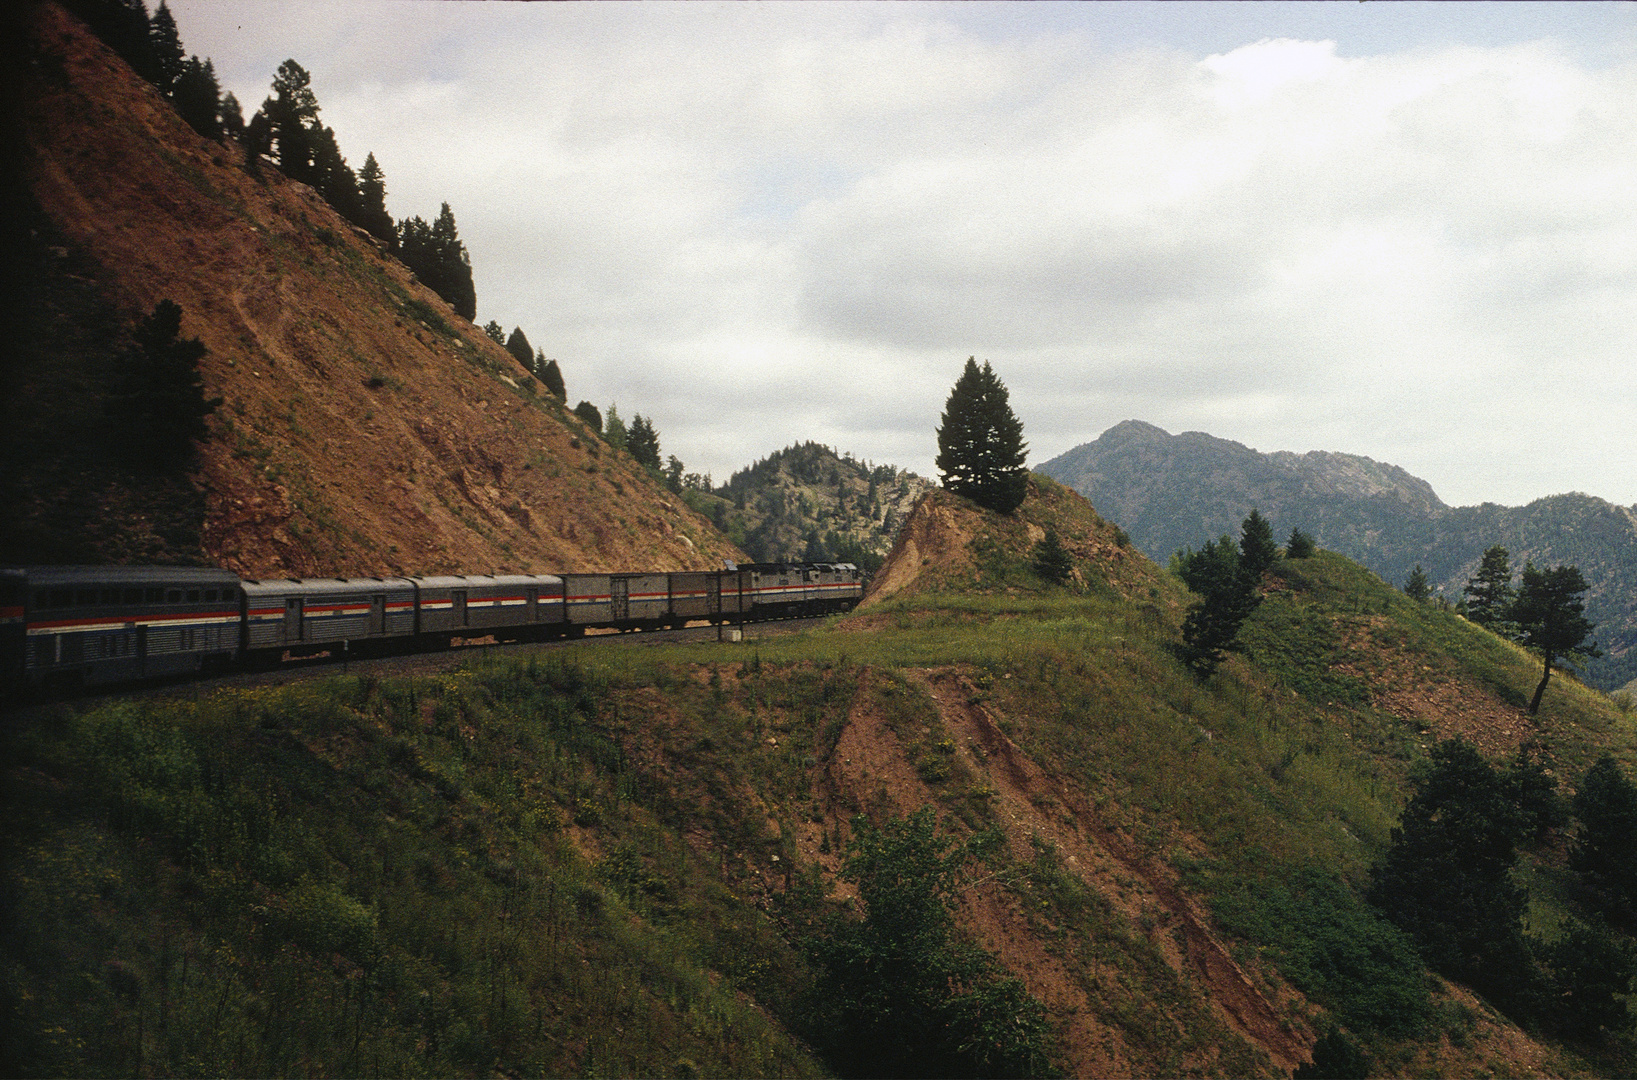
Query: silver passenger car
{"points": [[477, 603], [100, 624]]}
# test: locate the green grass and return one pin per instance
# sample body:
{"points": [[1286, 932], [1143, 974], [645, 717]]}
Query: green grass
{"points": [[582, 860]]}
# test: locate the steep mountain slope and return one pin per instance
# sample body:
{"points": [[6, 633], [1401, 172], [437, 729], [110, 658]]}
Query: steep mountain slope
{"points": [[1174, 491], [365, 427], [809, 502]]}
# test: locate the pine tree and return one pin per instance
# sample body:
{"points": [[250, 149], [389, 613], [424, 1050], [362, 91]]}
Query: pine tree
{"points": [[552, 376], [331, 174], [169, 57], [125, 27], [518, 345], [980, 442], [1227, 597], [1605, 850], [230, 116], [614, 428], [291, 113], [197, 97], [157, 407], [1416, 586], [588, 413], [495, 332], [643, 442], [435, 254], [1257, 551], [1549, 615], [258, 140], [452, 276], [372, 204], [1489, 590], [1051, 560], [1447, 878], [1299, 546]]}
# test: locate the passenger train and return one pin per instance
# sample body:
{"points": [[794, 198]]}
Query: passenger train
{"points": [[87, 626]]}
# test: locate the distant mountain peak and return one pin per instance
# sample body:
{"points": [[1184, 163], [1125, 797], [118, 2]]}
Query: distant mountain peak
{"points": [[1174, 491]]}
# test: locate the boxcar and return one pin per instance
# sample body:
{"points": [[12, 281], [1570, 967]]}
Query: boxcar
{"points": [[624, 601], [531, 604], [101, 624], [316, 614]]}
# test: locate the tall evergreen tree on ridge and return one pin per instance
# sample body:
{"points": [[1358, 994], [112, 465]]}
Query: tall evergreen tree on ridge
{"points": [[372, 206], [1489, 589], [437, 256], [169, 57], [1550, 616], [980, 442], [197, 97], [552, 376], [518, 345], [291, 112], [230, 116], [643, 441], [1257, 551]]}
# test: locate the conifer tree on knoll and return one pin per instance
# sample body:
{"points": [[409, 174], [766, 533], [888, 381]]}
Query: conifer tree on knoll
{"points": [[980, 442], [1549, 614], [1228, 581]]}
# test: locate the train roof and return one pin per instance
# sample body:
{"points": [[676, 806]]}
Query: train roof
{"points": [[317, 586], [48, 576], [473, 581]]}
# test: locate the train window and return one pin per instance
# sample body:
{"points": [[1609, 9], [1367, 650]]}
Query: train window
{"points": [[61, 598], [173, 596], [153, 596], [110, 596], [193, 596], [133, 596], [210, 596], [86, 597]]}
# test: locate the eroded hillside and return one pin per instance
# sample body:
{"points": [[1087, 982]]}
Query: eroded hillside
{"points": [[365, 427]]}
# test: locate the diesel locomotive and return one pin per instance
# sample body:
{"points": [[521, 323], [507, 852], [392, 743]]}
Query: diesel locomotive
{"points": [[85, 626]]}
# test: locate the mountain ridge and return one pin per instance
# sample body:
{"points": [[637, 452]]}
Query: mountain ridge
{"points": [[1174, 491]]}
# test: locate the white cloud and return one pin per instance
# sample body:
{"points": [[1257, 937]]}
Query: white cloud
{"points": [[760, 224]]}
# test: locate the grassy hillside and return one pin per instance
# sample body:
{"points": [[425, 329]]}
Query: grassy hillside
{"points": [[1176, 491], [614, 861]]}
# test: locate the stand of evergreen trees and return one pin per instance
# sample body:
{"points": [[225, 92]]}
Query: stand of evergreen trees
{"points": [[1448, 881], [1546, 612], [286, 127]]}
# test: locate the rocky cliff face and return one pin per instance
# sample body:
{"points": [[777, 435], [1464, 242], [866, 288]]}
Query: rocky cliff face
{"points": [[365, 427]]}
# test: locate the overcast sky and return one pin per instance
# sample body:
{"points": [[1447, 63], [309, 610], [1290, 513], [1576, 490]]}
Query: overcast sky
{"points": [[1402, 230]]}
